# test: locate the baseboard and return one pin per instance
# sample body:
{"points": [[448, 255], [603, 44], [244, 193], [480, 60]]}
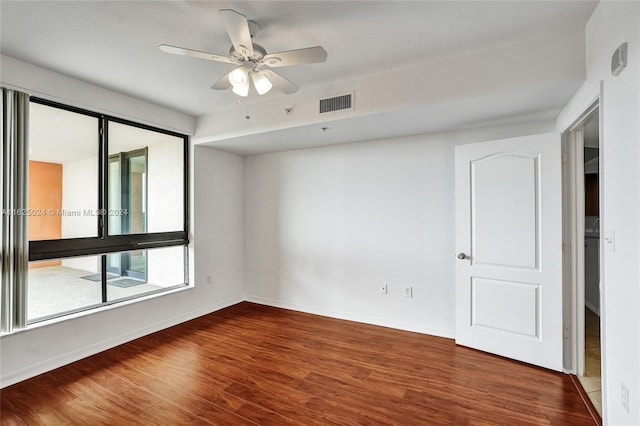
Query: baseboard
{"points": [[383, 322], [78, 354]]}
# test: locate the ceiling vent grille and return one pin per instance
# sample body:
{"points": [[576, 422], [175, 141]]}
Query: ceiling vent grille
{"points": [[336, 103]]}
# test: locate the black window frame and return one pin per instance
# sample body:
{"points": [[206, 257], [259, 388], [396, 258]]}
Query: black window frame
{"points": [[104, 243]]}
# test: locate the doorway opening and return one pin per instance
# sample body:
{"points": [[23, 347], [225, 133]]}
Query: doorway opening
{"points": [[128, 203], [582, 229]]}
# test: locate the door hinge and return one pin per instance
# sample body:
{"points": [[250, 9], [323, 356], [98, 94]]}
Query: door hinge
{"points": [[565, 158], [566, 246]]}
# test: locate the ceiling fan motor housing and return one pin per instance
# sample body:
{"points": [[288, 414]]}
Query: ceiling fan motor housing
{"points": [[258, 53]]}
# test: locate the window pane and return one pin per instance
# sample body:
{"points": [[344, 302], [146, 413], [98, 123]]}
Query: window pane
{"points": [[146, 181], [144, 271], [58, 286], [63, 174]]}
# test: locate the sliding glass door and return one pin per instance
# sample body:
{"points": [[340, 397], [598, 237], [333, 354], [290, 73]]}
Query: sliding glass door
{"points": [[127, 192]]}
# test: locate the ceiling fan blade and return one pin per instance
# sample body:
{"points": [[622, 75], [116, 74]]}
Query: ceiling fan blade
{"points": [[223, 83], [194, 53], [238, 30], [310, 55], [280, 83]]}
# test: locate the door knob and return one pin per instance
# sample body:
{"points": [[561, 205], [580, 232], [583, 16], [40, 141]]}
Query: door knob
{"points": [[462, 256]]}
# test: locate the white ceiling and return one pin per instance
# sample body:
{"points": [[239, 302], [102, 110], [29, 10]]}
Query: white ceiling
{"points": [[114, 43], [386, 125]]}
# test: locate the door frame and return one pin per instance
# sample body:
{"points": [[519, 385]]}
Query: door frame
{"points": [[573, 238], [124, 269]]}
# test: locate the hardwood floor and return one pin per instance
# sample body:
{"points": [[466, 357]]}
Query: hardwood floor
{"points": [[252, 364]]}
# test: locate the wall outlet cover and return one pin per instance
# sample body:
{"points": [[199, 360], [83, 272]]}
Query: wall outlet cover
{"points": [[408, 291]]}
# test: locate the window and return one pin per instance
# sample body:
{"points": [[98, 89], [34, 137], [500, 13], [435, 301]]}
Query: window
{"points": [[108, 210]]}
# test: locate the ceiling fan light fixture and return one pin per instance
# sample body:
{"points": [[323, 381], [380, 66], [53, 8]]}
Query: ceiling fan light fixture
{"points": [[239, 76], [241, 89], [261, 82]]}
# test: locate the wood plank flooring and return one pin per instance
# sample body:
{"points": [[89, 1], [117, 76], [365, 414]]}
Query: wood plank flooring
{"points": [[251, 364]]}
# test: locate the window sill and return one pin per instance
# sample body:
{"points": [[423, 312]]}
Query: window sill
{"points": [[101, 308]]}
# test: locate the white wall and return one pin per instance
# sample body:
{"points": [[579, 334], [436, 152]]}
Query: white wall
{"points": [[219, 221], [217, 236], [165, 189], [165, 266], [164, 208], [80, 193], [325, 227], [612, 24]]}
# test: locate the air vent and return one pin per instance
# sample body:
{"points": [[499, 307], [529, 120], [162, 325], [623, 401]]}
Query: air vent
{"points": [[336, 103]]}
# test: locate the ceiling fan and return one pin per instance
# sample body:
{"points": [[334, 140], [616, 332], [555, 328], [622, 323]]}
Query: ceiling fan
{"points": [[252, 59]]}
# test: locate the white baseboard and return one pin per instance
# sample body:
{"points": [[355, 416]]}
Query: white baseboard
{"points": [[80, 353], [383, 322], [86, 351]]}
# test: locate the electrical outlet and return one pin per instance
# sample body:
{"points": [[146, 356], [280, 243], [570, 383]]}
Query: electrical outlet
{"points": [[209, 280], [624, 396], [408, 291], [383, 289]]}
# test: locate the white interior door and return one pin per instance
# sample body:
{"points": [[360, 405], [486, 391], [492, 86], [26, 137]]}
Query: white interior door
{"points": [[509, 242]]}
